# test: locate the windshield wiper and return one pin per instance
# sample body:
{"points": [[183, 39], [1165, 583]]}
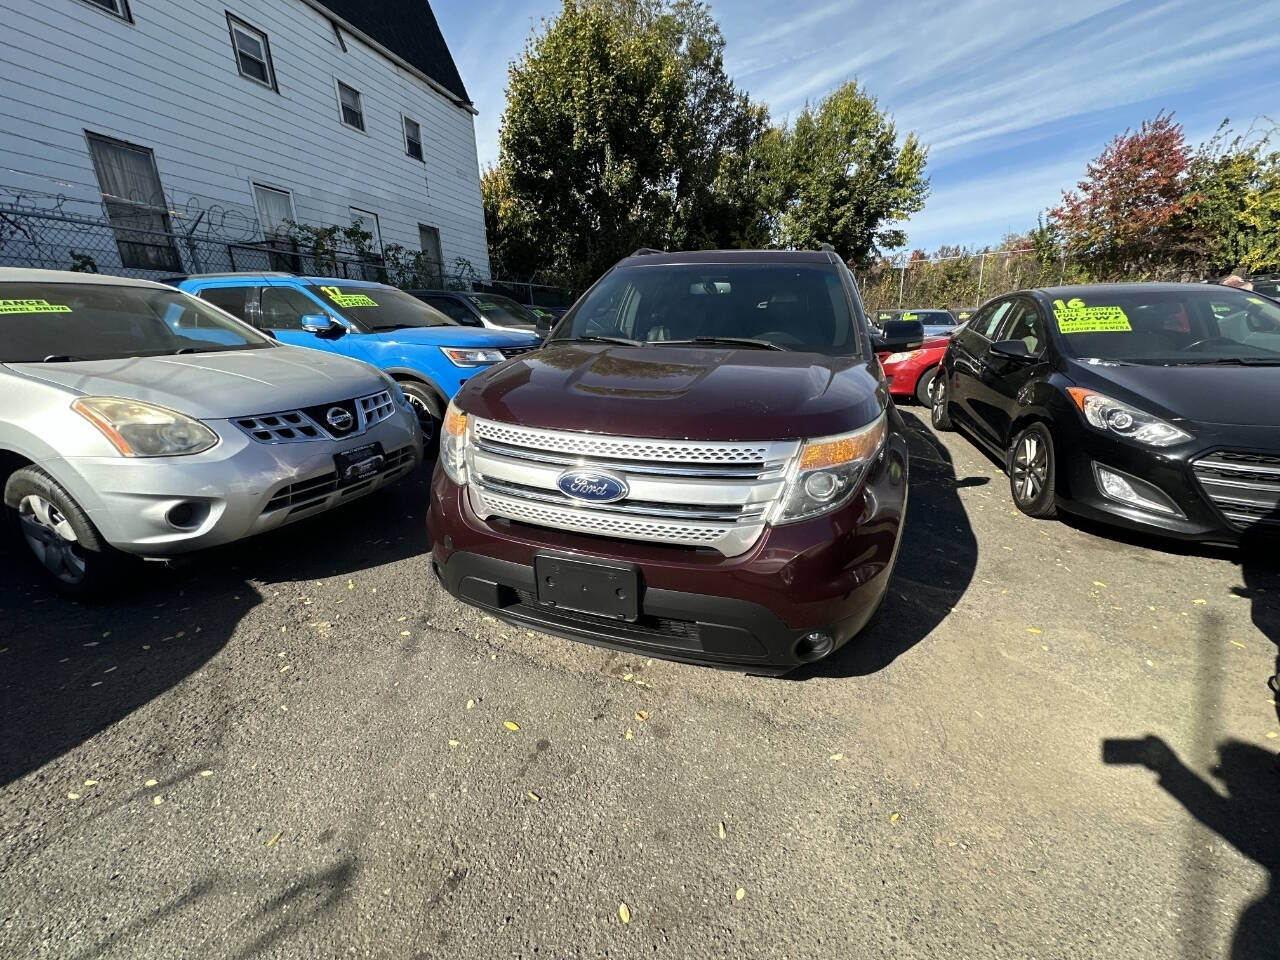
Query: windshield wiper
{"points": [[394, 326], [729, 341], [1227, 361], [596, 338]]}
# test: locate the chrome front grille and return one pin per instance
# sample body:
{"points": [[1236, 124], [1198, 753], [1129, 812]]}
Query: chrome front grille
{"points": [[293, 426], [1245, 487], [695, 494]]}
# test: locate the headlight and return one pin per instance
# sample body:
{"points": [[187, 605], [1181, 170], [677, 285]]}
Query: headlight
{"points": [[393, 387], [1112, 416], [901, 357], [453, 445], [829, 471], [468, 357], [139, 429]]}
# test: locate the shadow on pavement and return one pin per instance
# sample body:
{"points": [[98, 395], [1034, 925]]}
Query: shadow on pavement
{"points": [[936, 563], [1247, 817], [69, 669]]}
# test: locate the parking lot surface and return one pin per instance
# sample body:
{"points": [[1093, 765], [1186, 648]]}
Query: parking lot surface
{"points": [[299, 747]]}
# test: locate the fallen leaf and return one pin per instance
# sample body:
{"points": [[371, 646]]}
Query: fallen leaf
{"points": [[404, 633], [73, 796], [624, 913], [722, 830], [351, 585], [1199, 603], [1271, 734], [533, 796], [1034, 630], [511, 725], [453, 744], [286, 668], [1237, 643], [894, 817], [471, 704], [739, 894], [626, 677], [1098, 583], [206, 773], [629, 735], [642, 715], [91, 783], [401, 619], [157, 800], [151, 783], [276, 839], [1044, 647], [837, 756]]}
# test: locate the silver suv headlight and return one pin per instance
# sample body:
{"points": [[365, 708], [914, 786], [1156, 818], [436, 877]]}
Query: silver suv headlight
{"points": [[453, 445], [828, 471], [140, 429]]}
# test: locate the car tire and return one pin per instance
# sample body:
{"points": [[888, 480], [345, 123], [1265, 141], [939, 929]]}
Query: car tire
{"points": [[924, 387], [430, 413], [1031, 469], [59, 536], [940, 401]]}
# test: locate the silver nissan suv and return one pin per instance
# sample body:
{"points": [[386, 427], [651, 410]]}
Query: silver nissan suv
{"points": [[136, 420]]}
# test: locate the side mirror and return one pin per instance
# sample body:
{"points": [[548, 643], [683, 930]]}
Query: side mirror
{"points": [[319, 323], [1011, 350], [899, 335]]}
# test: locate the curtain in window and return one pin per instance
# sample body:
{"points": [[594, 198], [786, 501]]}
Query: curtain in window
{"points": [[135, 204]]}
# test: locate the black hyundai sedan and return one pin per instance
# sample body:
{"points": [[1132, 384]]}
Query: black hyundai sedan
{"points": [[1152, 406]]}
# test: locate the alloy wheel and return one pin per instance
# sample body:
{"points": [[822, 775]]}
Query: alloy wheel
{"points": [[1030, 468], [51, 538], [938, 398]]}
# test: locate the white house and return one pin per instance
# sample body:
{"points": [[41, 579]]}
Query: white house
{"points": [[197, 127]]}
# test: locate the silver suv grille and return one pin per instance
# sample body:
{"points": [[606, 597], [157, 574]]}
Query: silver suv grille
{"points": [[714, 495], [1245, 487], [293, 426]]}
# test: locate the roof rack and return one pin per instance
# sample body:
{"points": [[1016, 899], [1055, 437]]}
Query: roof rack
{"points": [[646, 251], [240, 273], [826, 248]]}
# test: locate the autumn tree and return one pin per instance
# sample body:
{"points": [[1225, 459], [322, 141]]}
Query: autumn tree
{"points": [[1122, 218]]}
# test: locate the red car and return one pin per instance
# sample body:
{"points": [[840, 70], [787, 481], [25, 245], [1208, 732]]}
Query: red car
{"points": [[911, 372]]}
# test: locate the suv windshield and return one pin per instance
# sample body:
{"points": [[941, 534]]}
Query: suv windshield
{"points": [[380, 308], [930, 318], [83, 321], [1195, 325], [503, 311], [789, 306]]}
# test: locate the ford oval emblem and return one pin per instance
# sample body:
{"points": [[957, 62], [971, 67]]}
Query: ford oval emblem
{"points": [[592, 486]]}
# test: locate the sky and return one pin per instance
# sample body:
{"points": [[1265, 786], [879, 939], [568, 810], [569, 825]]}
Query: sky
{"points": [[1012, 99]]}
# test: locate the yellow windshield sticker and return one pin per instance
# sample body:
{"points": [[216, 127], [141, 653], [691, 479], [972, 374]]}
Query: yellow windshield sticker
{"points": [[348, 299], [1074, 317], [32, 306], [909, 316]]}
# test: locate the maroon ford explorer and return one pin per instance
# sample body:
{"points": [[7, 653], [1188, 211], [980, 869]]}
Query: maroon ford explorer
{"points": [[702, 463]]}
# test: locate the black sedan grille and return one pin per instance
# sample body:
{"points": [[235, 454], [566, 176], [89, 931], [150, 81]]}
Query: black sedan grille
{"points": [[1245, 487], [510, 352]]}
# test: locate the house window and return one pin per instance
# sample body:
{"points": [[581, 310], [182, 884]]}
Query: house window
{"points": [[135, 204], [412, 138], [117, 8], [352, 106], [253, 53], [275, 210], [369, 222], [429, 242]]}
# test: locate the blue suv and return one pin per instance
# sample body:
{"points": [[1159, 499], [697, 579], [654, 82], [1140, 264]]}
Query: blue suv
{"points": [[426, 352]]}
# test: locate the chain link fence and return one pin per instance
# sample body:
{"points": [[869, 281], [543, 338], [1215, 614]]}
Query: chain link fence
{"points": [[58, 236]]}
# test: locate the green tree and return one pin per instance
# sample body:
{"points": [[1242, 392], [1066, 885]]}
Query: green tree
{"points": [[846, 180], [1233, 215]]}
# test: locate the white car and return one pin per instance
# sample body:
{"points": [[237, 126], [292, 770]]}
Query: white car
{"points": [[138, 420]]}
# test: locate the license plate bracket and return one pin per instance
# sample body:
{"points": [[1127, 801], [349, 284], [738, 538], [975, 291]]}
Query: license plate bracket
{"points": [[358, 464], [583, 586]]}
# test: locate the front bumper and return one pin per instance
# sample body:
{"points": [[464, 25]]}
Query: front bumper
{"points": [[1172, 473], [239, 488], [753, 611]]}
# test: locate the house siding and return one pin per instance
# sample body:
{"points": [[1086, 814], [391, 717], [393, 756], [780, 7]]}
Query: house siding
{"points": [[169, 82]]}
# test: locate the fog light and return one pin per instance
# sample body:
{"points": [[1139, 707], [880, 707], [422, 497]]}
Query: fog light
{"points": [[1137, 493], [184, 515], [814, 646], [821, 485]]}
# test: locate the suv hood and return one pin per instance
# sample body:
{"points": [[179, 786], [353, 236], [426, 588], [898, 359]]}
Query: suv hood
{"points": [[1247, 396], [459, 336], [679, 392], [207, 386]]}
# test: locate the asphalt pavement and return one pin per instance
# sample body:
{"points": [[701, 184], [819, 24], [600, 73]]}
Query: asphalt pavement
{"points": [[1056, 742]]}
